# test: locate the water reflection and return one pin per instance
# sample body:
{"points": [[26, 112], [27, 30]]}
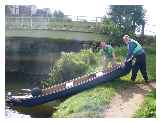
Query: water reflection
{"points": [[40, 111], [27, 62], [10, 113]]}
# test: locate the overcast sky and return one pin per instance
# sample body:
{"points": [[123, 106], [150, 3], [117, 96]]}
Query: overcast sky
{"points": [[91, 8]]}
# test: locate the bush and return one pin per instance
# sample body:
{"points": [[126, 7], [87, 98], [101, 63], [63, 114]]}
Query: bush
{"points": [[72, 65]]}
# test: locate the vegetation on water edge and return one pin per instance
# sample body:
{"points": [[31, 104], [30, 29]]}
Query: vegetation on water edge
{"points": [[72, 65]]}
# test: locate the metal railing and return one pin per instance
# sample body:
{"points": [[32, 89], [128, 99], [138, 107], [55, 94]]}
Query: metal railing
{"points": [[67, 23]]}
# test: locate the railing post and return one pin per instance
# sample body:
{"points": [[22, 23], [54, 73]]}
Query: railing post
{"points": [[31, 23], [77, 18], [48, 22], [21, 18], [96, 25]]}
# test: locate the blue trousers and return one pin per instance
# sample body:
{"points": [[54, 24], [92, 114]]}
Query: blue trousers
{"points": [[140, 64]]}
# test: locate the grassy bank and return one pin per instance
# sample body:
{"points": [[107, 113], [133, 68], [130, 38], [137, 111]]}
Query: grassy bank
{"points": [[148, 108], [86, 104], [90, 103]]}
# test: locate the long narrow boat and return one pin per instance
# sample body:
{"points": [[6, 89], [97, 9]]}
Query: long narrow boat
{"points": [[73, 86]]}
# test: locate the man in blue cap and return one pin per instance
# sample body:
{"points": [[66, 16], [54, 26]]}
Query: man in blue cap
{"points": [[135, 50]]}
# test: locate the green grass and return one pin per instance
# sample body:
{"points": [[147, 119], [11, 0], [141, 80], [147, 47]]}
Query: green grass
{"points": [[86, 104], [90, 103], [148, 108]]}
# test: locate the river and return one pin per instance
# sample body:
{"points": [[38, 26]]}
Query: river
{"points": [[27, 62]]}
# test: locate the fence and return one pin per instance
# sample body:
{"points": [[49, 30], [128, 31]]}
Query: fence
{"points": [[67, 23]]}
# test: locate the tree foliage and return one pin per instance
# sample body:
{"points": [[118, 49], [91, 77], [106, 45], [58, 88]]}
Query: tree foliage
{"points": [[112, 30], [123, 19], [128, 17], [58, 14]]}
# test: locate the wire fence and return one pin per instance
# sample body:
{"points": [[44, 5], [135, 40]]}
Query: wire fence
{"points": [[67, 23]]}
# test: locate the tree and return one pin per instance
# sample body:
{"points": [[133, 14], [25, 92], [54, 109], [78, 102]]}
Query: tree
{"points": [[7, 10], [112, 30], [128, 17], [58, 14]]}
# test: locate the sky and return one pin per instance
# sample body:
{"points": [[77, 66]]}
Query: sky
{"points": [[91, 8]]}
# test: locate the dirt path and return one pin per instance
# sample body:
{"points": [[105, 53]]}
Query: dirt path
{"points": [[127, 101]]}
